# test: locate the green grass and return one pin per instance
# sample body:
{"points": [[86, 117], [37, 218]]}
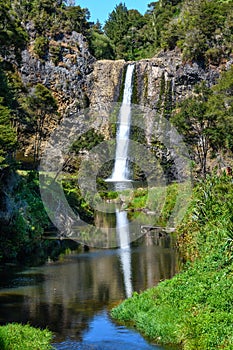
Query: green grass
{"points": [[195, 308], [18, 337]]}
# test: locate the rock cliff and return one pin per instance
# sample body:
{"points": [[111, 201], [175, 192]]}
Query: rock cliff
{"points": [[64, 71], [153, 78], [78, 81], [65, 75], [159, 83], [105, 81]]}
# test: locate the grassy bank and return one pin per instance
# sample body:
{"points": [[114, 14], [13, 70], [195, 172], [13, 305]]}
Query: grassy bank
{"points": [[18, 337], [194, 309]]}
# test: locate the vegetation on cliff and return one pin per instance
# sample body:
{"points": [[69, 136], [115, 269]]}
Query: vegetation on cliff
{"points": [[194, 309], [205, 121]]}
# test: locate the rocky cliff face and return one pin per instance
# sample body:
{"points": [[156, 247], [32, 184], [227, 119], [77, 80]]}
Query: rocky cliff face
{"points": [[78, 81], [153, 78], [64, 73], [158, 83], [105, 81]]}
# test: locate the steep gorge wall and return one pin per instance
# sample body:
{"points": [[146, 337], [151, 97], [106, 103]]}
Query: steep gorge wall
{"points": [[159, 83], [78, 81], [106, 79], [64, 71]]}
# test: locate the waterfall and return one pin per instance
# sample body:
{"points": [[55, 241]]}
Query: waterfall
{"points": [[122, 228], [121, 171], [120, 175]]}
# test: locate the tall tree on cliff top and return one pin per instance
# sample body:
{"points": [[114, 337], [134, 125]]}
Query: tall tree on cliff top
{"points": [[122, 29], [117, 24]]}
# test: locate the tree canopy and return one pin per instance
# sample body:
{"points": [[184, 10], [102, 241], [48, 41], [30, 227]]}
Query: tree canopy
{"points": [[201, 29]]}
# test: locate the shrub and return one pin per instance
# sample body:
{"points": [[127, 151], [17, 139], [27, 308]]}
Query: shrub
{"points": [[41, 46], [24, 337]]}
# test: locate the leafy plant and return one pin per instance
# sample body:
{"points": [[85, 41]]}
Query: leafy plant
{"points": [[41, 46], [24, 337]]}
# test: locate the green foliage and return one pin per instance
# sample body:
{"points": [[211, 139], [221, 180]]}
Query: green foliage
{"points": [[87, 141], [194, 123], [39, 104], [24, 337], [220, 108], [7, 134], [201, 29], [13, 37], [122, 29], [77, 19], [201, 19], [205, 120], [110, 195], [55, 53], [161, 201], [41, 46], [100, 46], [26, 219], [194, 308], [76, 201], [48, 17]]}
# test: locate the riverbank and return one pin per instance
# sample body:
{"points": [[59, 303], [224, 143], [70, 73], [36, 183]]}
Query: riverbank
{"points": [[194, 308]]}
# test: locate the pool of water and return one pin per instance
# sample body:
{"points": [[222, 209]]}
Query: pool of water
{"points": [[73, 297]]}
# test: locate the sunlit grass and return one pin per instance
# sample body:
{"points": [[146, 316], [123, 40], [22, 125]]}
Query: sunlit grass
{"points": [[18, 337]]}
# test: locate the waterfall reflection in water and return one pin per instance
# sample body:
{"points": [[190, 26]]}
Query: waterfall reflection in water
{"points": [[124, 251]]}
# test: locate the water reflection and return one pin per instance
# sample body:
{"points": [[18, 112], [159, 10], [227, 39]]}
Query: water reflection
{"points": [[107, 337], [65, 296], [122, 226], [72, 297]]}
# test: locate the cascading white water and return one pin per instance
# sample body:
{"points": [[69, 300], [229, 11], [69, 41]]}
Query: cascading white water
{"points": [[120, 174], [121, 171], [122, 227]]}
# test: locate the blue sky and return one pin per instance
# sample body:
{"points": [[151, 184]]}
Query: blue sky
{"points": [[101, 9]]}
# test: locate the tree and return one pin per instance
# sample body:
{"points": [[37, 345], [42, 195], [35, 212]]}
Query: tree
{"points": [[77, 19], [122, 28], [206, 120], [41, 103], [117, 25], [7, 134], [100, 46], [193, 122], [12, 36], [220, 108]]}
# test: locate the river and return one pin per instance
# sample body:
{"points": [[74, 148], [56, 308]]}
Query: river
{"points": [[73, 297]]}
